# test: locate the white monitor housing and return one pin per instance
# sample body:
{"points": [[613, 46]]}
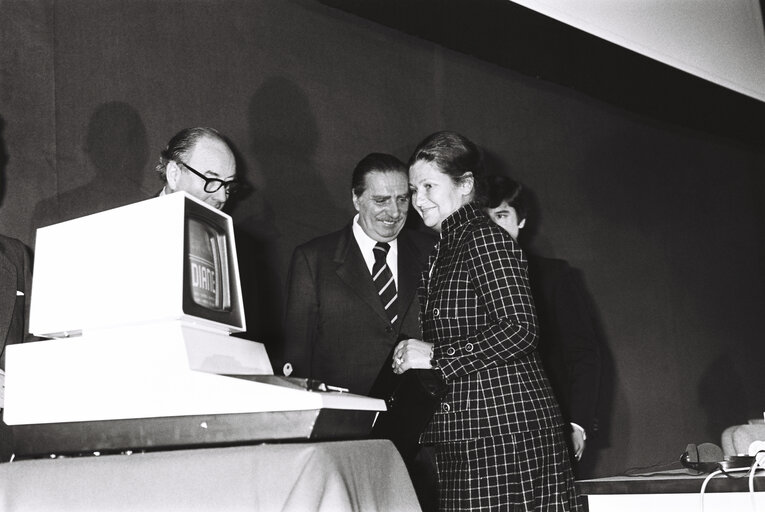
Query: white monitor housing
{"points": [[131, 266], [140, 302]]}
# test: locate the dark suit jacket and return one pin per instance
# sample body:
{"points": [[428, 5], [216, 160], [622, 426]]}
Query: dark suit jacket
{"points": [[568, 340], [336, 329], [15, 275]]}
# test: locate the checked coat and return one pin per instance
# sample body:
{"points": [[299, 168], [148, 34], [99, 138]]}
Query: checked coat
{"points": [[499, 433], [477, 310]]}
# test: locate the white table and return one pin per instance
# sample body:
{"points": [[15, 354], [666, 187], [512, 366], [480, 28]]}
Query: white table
{"points": [[366, 475]]}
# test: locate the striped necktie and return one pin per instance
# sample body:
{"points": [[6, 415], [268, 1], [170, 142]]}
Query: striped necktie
{"points": [[383, 278]]}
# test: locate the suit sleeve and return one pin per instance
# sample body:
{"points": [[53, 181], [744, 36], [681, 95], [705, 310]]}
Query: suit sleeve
{"points": [[301, 314], [500, 281], [581, 351]]}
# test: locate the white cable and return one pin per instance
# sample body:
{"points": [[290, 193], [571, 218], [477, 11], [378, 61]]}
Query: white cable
{"points": [[704, 485], [759, 458], [714, 474], [752, 471]]}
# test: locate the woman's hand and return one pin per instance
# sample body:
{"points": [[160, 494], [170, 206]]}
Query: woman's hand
{"points": [[410, 354]]}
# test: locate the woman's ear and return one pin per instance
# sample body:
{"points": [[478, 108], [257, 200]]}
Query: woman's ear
{"points": [[467, 183]]}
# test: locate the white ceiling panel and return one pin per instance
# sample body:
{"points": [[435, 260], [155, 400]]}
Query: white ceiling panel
{"points": [[722, 41]]}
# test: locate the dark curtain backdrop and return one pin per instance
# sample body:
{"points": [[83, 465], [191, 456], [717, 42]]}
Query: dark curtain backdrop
{"points": [[666, 224]]}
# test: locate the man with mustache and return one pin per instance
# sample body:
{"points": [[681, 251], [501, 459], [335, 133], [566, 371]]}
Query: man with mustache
{"points": [[352, 293], [338, 329]]}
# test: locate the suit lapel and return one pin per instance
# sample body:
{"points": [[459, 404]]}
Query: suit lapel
{"points": [[8, 287], [352, 270]]}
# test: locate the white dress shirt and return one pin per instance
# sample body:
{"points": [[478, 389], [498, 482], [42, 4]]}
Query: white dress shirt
{"points": [[367, 244]]}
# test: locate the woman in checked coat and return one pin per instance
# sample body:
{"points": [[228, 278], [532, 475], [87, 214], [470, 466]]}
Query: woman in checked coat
{"points": [[498, 435]]}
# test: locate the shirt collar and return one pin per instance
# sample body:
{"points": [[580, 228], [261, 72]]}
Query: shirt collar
{"points": [[464, 214], [367, 243]]}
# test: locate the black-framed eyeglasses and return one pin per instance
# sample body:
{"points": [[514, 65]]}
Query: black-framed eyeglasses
{"points": [[214, 184]]}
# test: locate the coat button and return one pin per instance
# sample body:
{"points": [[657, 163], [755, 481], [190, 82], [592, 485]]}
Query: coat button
{"points": [[469, 347], [436, 312], [389, 329], [445, 407], [450, 351]]}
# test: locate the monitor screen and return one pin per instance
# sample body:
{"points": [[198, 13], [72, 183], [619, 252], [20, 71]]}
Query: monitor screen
{"points": [[208, 265]]}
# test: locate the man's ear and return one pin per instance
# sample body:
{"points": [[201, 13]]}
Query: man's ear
{"points": [[521, 224], [172, 173], [355, 201]]}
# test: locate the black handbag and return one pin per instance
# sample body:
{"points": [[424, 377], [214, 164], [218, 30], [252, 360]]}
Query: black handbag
{"points": [[412, 399]]}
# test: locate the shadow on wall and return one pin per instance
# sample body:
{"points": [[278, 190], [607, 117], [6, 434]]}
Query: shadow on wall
{"points": [[759, 189], [601, 439], [580, 332], [723, 397], [3, 160], [6, 441], [117, 148], [531, 237], [290, 204]]}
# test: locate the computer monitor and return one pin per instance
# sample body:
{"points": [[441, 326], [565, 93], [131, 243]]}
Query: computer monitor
{"points": [[144, 299], [167, 258]]}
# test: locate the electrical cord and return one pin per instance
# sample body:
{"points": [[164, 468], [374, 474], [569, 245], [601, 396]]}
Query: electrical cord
{"points": [[658, 469], [759, 463], [751, 470], [709, 477]]}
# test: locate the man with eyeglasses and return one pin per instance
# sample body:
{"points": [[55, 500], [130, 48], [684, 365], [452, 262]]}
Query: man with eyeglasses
{"points": [[200, 162]]}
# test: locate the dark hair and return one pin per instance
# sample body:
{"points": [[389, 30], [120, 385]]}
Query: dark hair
{"points": [[374, 162], [183, 143], [502, 188], [454, 155]]}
